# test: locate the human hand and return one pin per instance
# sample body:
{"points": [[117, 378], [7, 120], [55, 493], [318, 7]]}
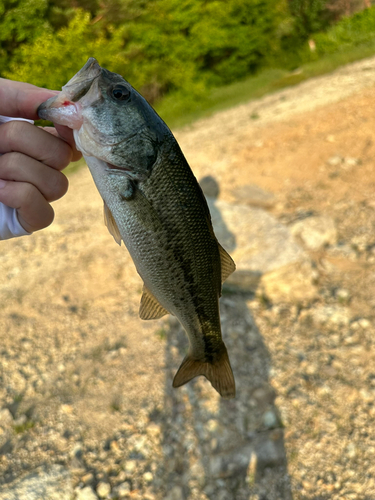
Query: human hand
{"points": [[31, 157]]}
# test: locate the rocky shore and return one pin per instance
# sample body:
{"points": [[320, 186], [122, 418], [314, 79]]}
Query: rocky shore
{"points": [[87, 408]]}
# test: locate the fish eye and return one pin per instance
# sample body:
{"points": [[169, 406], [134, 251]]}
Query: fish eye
{"points": [[120, 93]]}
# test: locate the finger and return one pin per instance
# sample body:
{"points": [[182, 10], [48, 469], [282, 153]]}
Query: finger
{"points": [[67, 135], [21, 168], [22, 99], [33, 210], [32, 141]]}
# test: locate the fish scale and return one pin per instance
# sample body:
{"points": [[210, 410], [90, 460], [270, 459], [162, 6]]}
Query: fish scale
{"points": [[199, 250], [154, 204]]}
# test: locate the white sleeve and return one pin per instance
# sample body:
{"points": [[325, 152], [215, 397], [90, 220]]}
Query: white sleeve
{"points": [[9, 223], [4, 119]]}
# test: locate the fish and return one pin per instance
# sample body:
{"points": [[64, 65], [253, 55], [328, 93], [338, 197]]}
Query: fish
{"points": [[154, 204]]}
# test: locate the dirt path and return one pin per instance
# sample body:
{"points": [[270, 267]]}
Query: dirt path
{"points": [[80, 374]]}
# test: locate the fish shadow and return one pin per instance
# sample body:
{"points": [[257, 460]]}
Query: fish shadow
{"points": [[211, 190], [227, 449]]}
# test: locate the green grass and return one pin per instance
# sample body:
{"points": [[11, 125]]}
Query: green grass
{"points": [[19, 429], [161, 333], [179, 113]]}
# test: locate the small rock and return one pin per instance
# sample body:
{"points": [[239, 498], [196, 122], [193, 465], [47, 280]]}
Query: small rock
{"points": [[364, 323], [270, 452], [315, 232], [352, 450], [366, 396], [139, 442], [6, 418], [176, 493], [47, 483], [263, 394], [148, 496], [67, 409], [307, 485], [265, 252], [103, 489], [342, 250], [87, 478], [270, 419], [215, 465], [351, 162], [212, 425], [254, 196], [76, 452], [252, 468], [360, 242], [153, 429], [123, 489], [334, 161], [6, 448], [335, 315], [130, 465], [121, 476], [291, 283], [20, 421], [222, 495], [148, 477], [86, 493], [114, 446], [343, 296]]}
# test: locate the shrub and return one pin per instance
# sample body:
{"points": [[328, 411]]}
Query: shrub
{"points": [[350, 31], [52, 59]]}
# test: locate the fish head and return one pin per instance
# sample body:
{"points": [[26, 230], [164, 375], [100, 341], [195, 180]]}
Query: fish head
{"points": [[110, 119], [63, 108]]}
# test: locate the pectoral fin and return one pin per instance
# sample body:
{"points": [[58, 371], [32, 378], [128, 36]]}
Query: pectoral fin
{"points": [[110, 222], [227, 264], [150, 307]]}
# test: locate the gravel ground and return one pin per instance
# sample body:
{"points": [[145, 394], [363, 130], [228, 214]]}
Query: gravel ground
{"points": [[86, 385]]}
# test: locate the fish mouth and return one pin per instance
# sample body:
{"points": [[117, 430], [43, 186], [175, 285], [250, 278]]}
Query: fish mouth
{"points": [[81, 82], [64, 108]]}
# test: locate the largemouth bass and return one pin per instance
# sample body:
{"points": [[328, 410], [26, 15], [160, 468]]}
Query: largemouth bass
{"points": [[154, 204]]}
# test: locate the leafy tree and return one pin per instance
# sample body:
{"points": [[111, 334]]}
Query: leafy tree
{"points": [[20, 21], [65, 52], [310, 16], [340, 8], [118, 12], [195, 43], [358, 29], [163, 46]]}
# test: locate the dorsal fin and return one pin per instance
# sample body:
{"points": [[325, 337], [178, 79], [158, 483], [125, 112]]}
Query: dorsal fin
{"points": [[227, 264], [150, 307], [110, 222]]}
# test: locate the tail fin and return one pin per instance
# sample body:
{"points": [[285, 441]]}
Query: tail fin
{"points": [[219, 373]]}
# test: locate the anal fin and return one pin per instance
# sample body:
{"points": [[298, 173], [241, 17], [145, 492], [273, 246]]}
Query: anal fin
{"points": [[110, 222], [219, 373], [227, 264], [150, 308]]}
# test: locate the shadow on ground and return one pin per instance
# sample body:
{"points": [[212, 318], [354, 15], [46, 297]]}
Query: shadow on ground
{"points": [[227, 449]]}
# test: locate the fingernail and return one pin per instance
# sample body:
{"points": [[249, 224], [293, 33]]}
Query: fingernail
{"points": [[3, 183]]}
